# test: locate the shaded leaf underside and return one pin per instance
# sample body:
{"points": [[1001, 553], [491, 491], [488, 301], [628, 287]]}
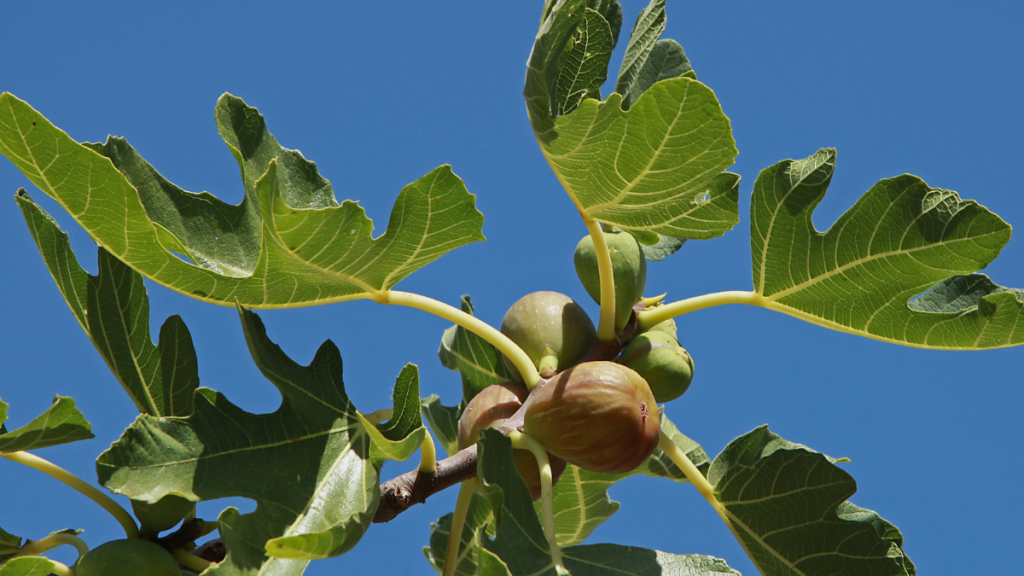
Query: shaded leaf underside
{"points": [[787, 505], [323, 491]]}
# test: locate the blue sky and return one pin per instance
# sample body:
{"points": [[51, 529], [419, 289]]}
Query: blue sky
{"points": [[379, 94]]}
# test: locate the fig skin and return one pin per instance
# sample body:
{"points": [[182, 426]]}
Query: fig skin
{"points": [[548, 320], [668, 327], [629, 271], [490, 409], [161, 515], [132, 557], [600, 416], [659, 359]]}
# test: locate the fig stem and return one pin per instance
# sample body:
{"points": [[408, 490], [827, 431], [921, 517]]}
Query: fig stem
{"points": [[451, 556], [700, 483], [106, 502], [52, 541], [379, 416], [649, 318], [524, 441], [428, 455], [606, 322], [189, 560], [482, 329]]}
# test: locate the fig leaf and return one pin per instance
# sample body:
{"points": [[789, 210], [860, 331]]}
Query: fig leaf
{"points": [[651, 161], [317, 440], [519, 540], [61, 423], [113, 309], [289, 243], [788, 506], [902, 238]]}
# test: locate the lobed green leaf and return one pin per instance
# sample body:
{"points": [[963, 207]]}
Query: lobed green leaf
{"points": [[865, 273], [650, 23], [113, 309], [787, 505], [289, 243], [325, 490], [61, 423]]}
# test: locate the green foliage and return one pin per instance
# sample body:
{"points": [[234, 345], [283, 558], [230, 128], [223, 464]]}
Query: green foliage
{"points": [[132, 557], [113, 309], [901, 266], [787, 504], [61, 423], [900, 239], [279, 248]]}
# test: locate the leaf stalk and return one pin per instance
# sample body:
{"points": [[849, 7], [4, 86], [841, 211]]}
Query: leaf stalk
{"points": [[606, 322], [523, 441], [106, 502], [701, 484], [52, 541], [451, 556], [649, 318], [475, 325], [428, 455]]}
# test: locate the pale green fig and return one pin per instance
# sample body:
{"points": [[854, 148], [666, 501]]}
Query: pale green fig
{"points": [[600, 416], [661, 361], [629, 271], [161, 515], [132, 557], [668, 327], [553, 330], [489, 409]]}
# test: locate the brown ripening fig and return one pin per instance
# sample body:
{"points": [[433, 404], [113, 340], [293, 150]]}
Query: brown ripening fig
{"points": [[489, 409], [600, 416]]}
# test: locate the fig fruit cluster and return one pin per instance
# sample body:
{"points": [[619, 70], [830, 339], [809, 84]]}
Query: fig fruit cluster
{"points": [[596, 405]]}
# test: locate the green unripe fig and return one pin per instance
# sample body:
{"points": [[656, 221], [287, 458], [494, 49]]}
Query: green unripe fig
{"points": [[600, 416], [161, 515], [553, 330], [489, 409], [661, 361], [629, 271], [668, 327], [132, 557]]}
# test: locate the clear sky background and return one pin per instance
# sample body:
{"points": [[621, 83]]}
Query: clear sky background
{"points": [[380, 93]]}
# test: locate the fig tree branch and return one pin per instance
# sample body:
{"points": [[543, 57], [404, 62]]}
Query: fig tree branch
{"points": [[398, 494]]}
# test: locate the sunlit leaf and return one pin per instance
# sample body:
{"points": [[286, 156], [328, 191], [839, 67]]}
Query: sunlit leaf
{"points": [[28, 566], [902, 238], [289, 243], [787, 505], [325, 486], [113, 309], [666, 60], [61, 423]]}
